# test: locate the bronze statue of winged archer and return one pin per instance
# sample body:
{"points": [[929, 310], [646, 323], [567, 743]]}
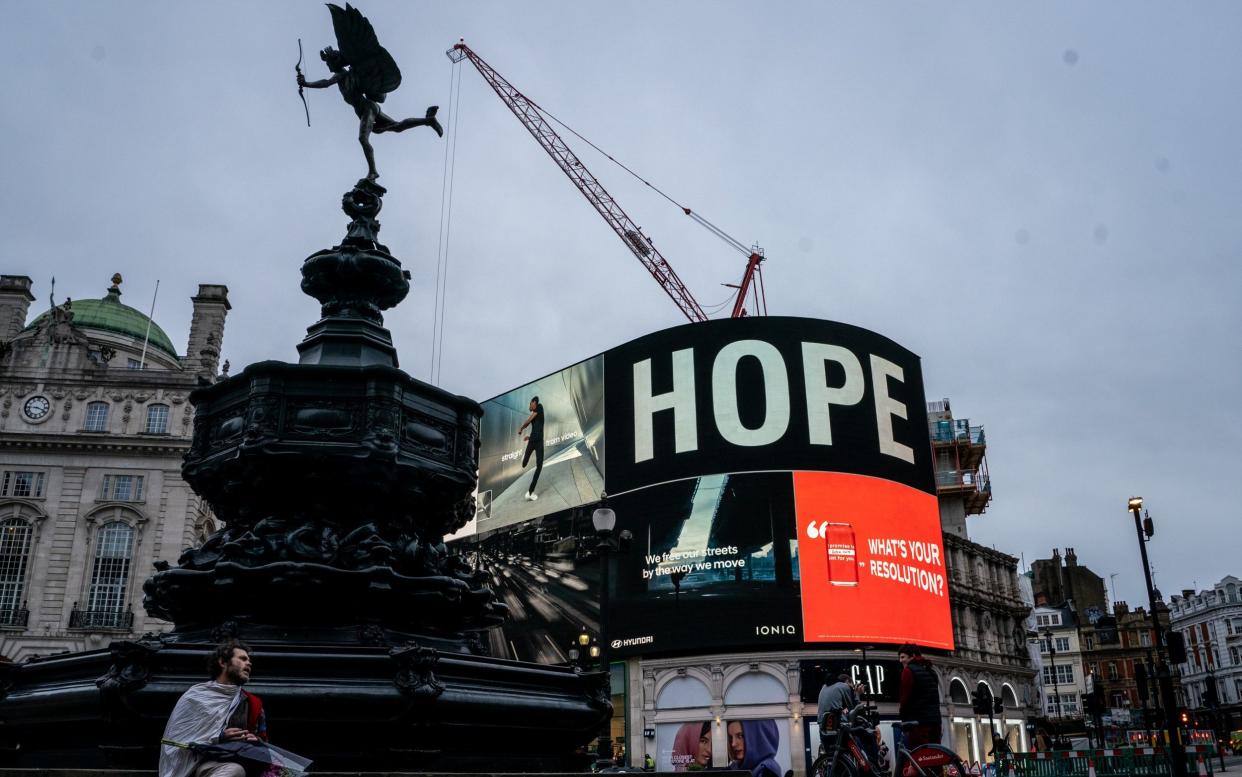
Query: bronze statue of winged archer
{"points": [[365, 73]]}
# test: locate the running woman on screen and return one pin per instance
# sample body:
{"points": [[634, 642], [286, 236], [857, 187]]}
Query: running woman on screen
{"points": [[534, 444]]}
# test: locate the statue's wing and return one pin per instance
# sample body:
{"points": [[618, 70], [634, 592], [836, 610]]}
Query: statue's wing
{"points": [[370, 63]]}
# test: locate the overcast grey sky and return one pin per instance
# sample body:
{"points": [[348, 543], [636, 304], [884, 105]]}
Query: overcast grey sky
{"points": [[1040, 199]]}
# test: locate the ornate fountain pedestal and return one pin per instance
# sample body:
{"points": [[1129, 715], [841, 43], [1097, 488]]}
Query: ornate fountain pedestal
{"points": [[336, 479]]}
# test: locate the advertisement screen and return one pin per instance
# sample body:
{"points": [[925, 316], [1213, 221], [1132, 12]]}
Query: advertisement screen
{"points": [[546, 571], [713, 560], [773, 476], [542, 447], [764, 394], [872, 561], [745, 744]]}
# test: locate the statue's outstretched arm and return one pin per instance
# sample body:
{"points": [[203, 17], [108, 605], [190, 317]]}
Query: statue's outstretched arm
{"points": [[318, 84]]}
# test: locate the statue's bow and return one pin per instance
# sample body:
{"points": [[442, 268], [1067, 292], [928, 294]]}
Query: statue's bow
{"points": [[298, 69]]}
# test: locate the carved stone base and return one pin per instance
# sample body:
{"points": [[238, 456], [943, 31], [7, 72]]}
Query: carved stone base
{"points": [[350, 708]]}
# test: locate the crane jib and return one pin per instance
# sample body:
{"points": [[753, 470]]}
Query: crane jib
{"points": [[532, 117]]}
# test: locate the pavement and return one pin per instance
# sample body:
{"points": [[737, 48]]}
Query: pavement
{"points": [[1233, 763]]}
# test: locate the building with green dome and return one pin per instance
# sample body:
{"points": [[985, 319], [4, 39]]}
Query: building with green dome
{"points": [[111, 319], [95, 419]]}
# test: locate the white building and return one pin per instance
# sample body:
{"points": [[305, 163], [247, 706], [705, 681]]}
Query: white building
{"points": [[1211, 622], [1057, 654], [94, 421]]}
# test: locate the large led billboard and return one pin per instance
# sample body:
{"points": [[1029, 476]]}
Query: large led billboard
{"points": [[544, 439], [775, 474]]}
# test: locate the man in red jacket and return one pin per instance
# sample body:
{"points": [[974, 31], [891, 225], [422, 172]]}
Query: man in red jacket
{"points": [[920, 696], [214, 711]]}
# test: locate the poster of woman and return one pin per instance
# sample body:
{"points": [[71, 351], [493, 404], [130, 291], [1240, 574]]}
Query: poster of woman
{"points": [[692, 747], [756, 746]]}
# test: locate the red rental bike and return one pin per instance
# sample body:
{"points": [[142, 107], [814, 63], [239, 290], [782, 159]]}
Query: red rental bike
{"points": [[841, 755]]}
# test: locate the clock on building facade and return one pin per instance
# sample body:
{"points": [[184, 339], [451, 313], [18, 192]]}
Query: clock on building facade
{"points": [[37, 408]]}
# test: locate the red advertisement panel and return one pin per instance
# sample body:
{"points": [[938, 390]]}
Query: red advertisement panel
{"points": [[871, 561]]}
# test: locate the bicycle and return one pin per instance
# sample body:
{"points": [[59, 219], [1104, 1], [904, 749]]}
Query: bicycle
{"points": [[848, 759]]}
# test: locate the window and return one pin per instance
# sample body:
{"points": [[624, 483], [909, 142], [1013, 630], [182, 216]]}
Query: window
{"points": [[1112, 670], [157, 419], [1053, 619], [1069, 704], [14, 554], [133, 364], [1145, 638], [1090, 642], [96, 417], [122, 488], [1062, 644], [1233, 656], [110, 574], [1064, 675], [27, 484]]}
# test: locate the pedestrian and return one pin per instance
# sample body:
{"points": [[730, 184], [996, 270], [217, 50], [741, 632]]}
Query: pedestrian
{"points": [[834, 700], [920, 696], [218, 710]]}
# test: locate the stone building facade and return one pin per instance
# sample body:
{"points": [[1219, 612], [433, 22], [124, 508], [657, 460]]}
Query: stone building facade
{"points": [[94, 421], [1211, 622], [1116, 648], [1060, 580], [989, 614]]}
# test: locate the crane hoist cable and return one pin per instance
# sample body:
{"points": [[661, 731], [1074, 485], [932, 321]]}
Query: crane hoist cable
{"points": [[709, 226], [536, 121], [446, 221]]}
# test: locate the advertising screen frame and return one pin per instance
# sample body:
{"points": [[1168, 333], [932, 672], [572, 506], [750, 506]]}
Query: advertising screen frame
{"points": [[727, 404]]}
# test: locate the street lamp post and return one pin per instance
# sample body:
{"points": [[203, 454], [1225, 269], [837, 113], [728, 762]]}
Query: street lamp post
{"points": [[1211, 700], [1177, 749], [1056, 685], [604, 519]]}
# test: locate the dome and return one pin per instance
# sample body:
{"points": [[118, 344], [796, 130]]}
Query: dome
{"points": [[109, 315]]}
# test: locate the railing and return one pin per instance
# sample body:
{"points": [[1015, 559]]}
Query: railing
{"points": [[1108, 762], [15, 617], [956, 429], [101, 619], [948, 478]]}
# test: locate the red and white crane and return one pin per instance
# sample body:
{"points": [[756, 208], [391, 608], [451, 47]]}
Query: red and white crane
{"points": [[533, 118]]}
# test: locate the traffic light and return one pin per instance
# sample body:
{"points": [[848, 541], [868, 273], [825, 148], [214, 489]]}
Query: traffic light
{"points": [[1140, 677], [1185, 717], [982, 702], [1210, 698], [998, 706], [1176, 643]]}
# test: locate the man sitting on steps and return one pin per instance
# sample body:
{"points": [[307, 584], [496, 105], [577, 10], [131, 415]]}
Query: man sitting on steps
{"points": [[214, 711]]}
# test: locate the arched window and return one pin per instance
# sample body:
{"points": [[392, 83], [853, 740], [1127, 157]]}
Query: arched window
{"points": [[755, 688], [96, 417], [157, 419], [957, 692], [682, 692], [15, 535], [1008, 697], [105, 601]]}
